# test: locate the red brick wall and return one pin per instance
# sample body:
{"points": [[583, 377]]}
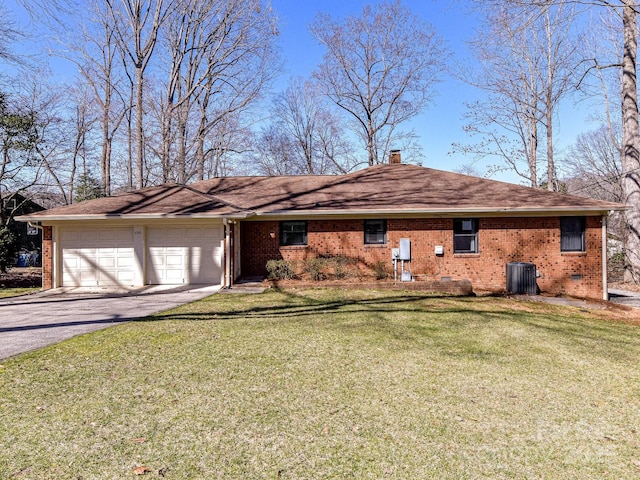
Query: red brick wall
{"points": [[47, 258], [500, 240]]}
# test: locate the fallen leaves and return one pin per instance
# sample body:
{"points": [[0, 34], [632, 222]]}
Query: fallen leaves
{"points": [[141, 470]]}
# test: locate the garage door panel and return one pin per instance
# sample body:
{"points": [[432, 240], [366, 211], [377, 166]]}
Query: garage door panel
{"points": [[107, 262], [86, 279], [184, 255], [125, 262], [97, 256]]}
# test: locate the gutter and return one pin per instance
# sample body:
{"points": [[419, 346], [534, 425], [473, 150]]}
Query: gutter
{"points": [[404, 212], [34, 225], [316, 212], [57, 218]]}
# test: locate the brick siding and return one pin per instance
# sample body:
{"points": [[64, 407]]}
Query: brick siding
{"points": [[500, 241], [47, 258]]}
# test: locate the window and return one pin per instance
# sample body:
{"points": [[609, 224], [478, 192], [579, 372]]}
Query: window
{"points": [[572, 234], [293, 233], [375, 232], [465, 235], [9, 204]]}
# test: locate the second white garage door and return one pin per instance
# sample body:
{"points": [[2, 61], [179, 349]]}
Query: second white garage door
{"points": [[184, 255]]}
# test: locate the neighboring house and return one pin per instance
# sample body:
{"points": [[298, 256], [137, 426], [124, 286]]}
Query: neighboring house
{"points": [[29, 237], [215, 231]]}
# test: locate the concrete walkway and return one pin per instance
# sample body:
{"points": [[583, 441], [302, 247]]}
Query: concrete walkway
{"points": [[33, 321], [624, 297], [621, 297]]}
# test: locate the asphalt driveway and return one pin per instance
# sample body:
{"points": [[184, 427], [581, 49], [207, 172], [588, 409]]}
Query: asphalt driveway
{"points": [[34, 321]]}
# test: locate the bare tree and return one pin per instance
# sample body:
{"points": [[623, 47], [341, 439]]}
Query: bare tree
{"points": [[316, 135], [526, 59], [274, 153], [242, 63], [560, 51], [219, 57], [9, 33], [137, 24], [594, 167], [627, 12], [380, 68], [94, 53], [595, 170]]}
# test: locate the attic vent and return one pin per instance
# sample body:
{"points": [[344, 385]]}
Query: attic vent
{"points": [[394, 157]]}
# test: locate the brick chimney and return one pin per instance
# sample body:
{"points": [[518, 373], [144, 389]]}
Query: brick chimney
{"points": [[394, 157]]}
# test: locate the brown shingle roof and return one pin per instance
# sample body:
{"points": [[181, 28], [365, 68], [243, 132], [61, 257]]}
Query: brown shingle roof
{"points": [[398, 188], [164, 200], [380, 189]]}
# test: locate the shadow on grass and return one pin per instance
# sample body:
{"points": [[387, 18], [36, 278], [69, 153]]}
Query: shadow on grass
{"points": [[460, 313]]}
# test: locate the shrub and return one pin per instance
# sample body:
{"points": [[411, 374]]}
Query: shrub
{"points": [[617, 258], [316, 268], [280, 270], [381, 270], [343, 266]]}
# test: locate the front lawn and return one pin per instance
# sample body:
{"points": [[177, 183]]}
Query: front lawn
{"points": [[15, 292], [315, 384]]}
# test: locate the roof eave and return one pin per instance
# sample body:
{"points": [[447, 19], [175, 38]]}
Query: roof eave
{"points": [[154, 216], [414, 212], [437, 212]]}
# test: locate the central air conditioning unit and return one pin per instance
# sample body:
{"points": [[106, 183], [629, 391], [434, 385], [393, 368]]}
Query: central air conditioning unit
{"points": [[521, 278]]}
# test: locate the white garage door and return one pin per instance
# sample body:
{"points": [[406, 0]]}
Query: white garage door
{"points": [[184, 255], [97, 257]]}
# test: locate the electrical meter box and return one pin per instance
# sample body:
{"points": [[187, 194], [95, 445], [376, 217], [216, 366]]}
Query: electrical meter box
{"points": [[395, 253], [439, 250], [405, 249]]}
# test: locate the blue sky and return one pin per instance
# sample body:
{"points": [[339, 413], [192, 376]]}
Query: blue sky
{"points": [[441, 123]]}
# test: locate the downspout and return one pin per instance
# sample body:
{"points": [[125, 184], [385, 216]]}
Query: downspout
{"points": [[227, 253], [35, 225], [605, 287]]}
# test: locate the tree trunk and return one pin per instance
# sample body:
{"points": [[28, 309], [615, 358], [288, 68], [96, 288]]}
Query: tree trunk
{"points": [[371, 144], [165, 135], [139, 131], [549, 104], [105, 160], [130, 138], [551, 167], [533, 151], [200, 157], [181, 153], [630, 144]]}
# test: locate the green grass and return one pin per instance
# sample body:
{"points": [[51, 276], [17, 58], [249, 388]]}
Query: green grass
{"points": [[14, 292], [317, 384]]}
